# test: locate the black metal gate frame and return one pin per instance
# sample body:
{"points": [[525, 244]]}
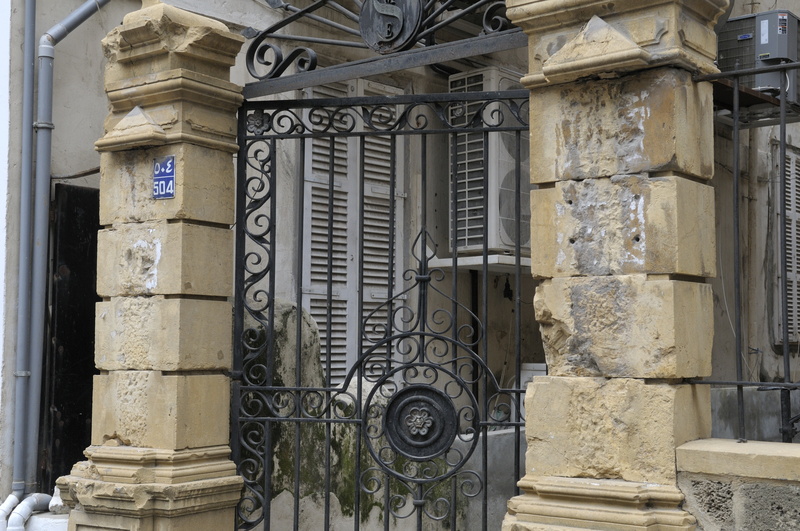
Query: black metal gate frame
{"points": [[418, 423]]}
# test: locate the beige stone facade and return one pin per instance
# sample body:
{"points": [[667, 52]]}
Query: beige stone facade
{"points": [[622, 222], [159, 458]]}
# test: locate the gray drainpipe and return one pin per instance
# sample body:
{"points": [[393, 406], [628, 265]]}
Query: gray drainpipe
{"points": [[22, 368], [41, 225]]}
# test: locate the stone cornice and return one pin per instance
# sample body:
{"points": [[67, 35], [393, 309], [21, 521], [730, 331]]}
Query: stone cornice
{"points": [[533, 15], [574, 39]]}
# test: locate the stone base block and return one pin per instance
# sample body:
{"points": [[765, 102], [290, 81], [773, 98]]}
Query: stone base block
{"points": [[160, 258], [154, 410], [197, 505], [555, 503], [154, 333], [203, 185], [80, 520], [623, 225], [602, 128], [611, 428], [626, 326]]}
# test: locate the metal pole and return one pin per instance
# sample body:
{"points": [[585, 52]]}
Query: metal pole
{"points": [[786, 401], [22, 364], [737, 257]]}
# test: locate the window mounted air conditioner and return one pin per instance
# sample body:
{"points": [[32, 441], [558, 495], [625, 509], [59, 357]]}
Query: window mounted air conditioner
{"points": [[484, 173]]}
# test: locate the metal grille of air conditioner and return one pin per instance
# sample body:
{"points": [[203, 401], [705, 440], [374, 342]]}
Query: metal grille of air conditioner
{"points": [[485, 181]]}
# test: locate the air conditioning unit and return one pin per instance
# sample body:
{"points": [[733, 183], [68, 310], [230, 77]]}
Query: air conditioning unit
{"points": [[485, 183], [758, 40]]}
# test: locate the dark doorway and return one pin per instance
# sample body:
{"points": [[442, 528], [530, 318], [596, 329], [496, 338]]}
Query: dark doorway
{"points": [[69, 363]]}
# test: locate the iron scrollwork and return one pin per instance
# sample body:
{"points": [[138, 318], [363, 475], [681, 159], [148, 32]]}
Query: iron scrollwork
{"points": [[384, 26], [419, 401]]}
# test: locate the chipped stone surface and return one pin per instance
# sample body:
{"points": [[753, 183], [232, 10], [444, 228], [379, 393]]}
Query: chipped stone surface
{"points": [[160, 258], [604, 128], [598, 47], [676, 33], [625, 326], [204, 183], [615, 428], [626, 224], [160, 37], [710, 500], [146, 333], [154, 410], [722, 503]]}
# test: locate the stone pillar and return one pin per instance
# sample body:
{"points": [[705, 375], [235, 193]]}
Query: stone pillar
{"points": [[623, 224], [160, 455]]}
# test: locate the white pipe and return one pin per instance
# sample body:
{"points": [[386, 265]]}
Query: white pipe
{"points": [[35, 503], [6, 508]]}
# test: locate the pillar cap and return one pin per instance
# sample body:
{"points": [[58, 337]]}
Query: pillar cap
{"points": [[574, 39]]}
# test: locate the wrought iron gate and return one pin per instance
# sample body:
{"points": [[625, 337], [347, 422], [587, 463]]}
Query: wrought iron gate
{"points": [[399, 226]]}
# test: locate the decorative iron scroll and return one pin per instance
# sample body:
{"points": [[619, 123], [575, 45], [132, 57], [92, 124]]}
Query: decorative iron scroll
{"points": [[420, 400], [384, 26]]}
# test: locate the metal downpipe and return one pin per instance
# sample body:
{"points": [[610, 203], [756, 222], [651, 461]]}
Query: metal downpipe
{"points": [[22, 365], [41, 222]]}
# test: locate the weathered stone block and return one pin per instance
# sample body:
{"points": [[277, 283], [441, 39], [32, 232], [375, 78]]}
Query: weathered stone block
{"points": [[580, 38], [768, 507], [154, 333], [160, 258], [710, 500], [155, 410], [109, 506], [615, 428], [181, 107], [160, 37], [755, 460], [623, 225], [133, 465], [611, 127], [120, 520], [204, 185], [572, 504], [625, 326]]}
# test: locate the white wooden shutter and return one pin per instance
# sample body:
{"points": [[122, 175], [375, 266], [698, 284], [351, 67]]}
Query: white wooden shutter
{"points": [[339, 320], [792, 204]]}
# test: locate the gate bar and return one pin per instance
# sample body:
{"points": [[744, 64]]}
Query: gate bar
{"points": [[451, 51]]}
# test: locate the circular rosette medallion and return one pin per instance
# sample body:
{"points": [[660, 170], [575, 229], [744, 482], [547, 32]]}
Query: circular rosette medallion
{"points": [[421, 422], [390, 25]]}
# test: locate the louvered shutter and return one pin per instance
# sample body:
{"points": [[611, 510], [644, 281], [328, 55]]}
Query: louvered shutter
{"points": [[383, 161], [326, 156], [336, 313], [792, 204]]}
